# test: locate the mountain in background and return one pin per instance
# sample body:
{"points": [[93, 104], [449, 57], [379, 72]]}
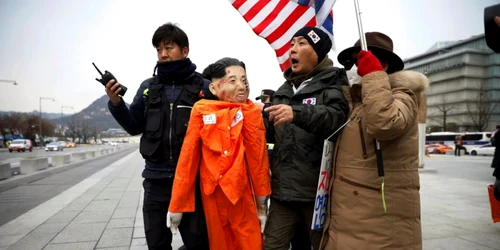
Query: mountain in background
{"points": [[95, 115]]}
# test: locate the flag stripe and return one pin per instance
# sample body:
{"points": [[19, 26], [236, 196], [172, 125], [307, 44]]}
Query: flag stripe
{"points": [[287, 23], [308, 19], [237, 4], [277, 21], [255, 10], [263, 13], [272, 16], [244, 8]]}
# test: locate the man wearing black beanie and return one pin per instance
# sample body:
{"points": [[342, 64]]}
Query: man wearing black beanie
{"points": [[308, 108]]}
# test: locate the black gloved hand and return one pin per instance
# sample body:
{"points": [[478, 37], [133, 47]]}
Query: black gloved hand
{"points": [[496, 189]]}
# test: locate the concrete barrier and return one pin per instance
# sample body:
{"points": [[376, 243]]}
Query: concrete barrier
{"points": [[30, 165], [90, 154], [78, 156], [104, 151], [15, 170], [5, 172], [58, 160]]}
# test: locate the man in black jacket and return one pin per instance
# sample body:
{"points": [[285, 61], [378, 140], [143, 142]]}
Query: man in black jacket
{"points": [[306, 110], [160, 111]]}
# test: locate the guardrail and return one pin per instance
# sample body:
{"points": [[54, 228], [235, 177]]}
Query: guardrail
{"points": [[30, 165]]}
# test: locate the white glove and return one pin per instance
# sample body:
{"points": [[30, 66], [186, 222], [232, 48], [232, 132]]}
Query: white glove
{"points": [[173, 221], [261, 212]]}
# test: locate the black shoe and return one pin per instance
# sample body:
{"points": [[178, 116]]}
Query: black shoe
{"points": [[182, 248]]}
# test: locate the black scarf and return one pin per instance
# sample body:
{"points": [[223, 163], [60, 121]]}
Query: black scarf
{"points": [[175, 70]]}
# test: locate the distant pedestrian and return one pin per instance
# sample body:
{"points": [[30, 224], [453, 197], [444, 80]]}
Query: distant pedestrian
{"points": [[458, 145]]}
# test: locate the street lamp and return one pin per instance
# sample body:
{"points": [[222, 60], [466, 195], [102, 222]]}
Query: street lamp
{"points": [[13, 82], [43, 98]]}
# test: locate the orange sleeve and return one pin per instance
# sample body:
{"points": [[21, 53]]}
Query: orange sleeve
{"points": [[254, 140], [183, 190]]}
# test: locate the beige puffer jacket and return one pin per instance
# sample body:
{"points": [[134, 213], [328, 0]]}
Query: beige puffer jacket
{"points": [[386, 109]]}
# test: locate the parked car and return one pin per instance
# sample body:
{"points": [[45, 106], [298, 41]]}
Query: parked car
{"points": [[21, 145], [62, 143], [486, 149], [53, 146], [438, 148], [71, 145]]}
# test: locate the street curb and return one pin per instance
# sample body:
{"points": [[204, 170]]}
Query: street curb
{"points": [[20, 180], [427, 170]]}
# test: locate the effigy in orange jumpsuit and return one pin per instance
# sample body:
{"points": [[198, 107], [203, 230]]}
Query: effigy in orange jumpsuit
{"points": [[225, 143]]}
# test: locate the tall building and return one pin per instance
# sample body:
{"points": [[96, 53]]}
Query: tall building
{"points": [[464, 91]]}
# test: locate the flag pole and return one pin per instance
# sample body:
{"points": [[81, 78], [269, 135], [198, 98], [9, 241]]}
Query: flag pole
{"points": [[362, 37], [378, 150]]}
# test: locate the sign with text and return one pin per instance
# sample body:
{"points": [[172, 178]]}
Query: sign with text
{"points": [[325, 175]]}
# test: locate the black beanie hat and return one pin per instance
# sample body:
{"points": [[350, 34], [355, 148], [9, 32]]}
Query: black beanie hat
{"points": [[318, 39]]}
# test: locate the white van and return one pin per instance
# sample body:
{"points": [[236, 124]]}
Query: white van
{"points": [[20, 145]]}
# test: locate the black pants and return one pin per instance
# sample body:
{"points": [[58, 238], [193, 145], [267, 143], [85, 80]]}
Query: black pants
{"points": [[193, 229], [457, 149], [300, 240], [282, 225]]}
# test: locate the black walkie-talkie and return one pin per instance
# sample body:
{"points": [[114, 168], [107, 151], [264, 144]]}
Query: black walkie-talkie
{"points": [[108, 77]]}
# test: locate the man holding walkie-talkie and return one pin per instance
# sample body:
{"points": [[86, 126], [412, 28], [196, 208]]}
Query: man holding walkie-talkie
{"points": [[160, 112]]}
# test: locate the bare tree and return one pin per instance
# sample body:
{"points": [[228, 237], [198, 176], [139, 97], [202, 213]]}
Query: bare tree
{"points": [[480, 109], [95, 133], [5, 124], [85, 129], [444, 109], [24, 124], [73, 128]]}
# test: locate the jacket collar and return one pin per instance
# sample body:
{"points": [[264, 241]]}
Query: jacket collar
{"points": [[326, 77]]}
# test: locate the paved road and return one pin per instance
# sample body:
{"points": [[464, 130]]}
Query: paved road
{"points": [[108, 214], [19, 200], [464, 167]]}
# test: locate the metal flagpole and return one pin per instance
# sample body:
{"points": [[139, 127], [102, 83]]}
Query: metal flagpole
{"points": [[378, 151], [362, 37]]}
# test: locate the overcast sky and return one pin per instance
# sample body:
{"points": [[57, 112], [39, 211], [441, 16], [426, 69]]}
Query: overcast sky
{"points": [[48, 46]]}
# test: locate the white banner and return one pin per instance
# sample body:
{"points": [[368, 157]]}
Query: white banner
{"points": [[325, 174]]}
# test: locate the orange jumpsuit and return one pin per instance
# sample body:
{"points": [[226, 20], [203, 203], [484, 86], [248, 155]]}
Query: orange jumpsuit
{"points": [[226, 143]]}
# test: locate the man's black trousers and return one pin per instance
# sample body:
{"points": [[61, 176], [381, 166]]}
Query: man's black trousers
{"points": [[193, 229]]}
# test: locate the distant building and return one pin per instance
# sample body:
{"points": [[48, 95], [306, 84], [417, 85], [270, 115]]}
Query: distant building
{"points": [[464, 93], [115, 132]]}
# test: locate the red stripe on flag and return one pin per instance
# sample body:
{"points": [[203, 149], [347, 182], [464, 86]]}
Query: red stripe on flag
{"points": [[237, 4], [281, 51], [261, 26], [287, 24], [255, 10], [284, 49], [285, 65]]}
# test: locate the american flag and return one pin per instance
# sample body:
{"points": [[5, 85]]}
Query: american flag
{"points": [[278, 20]]}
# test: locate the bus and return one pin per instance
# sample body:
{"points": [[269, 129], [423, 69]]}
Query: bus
{"points": [[469, 139]]}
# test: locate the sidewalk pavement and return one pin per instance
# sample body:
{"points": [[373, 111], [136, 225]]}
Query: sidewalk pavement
{"points": [[104, 211]]}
